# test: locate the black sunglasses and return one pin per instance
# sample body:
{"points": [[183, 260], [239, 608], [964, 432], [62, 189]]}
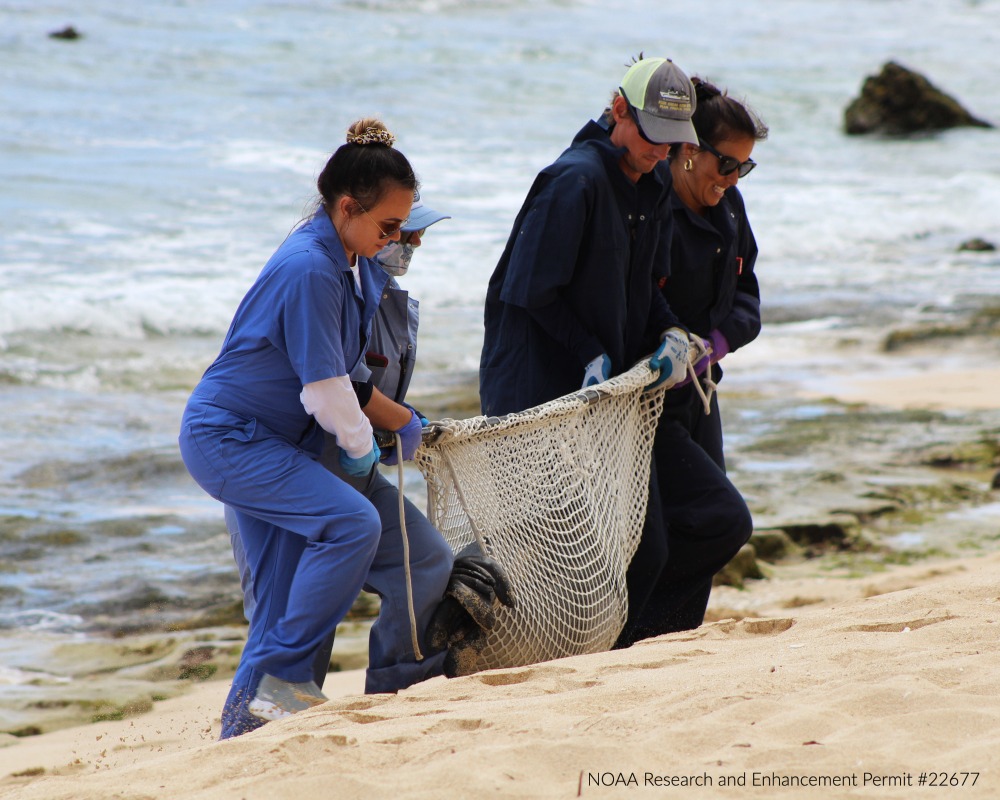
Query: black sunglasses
{"points": [[635, 119], [728, 164]]}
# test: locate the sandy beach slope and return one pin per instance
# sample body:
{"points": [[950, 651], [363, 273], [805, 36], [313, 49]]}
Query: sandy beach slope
{"points": [[833, 687], [862, 695]]}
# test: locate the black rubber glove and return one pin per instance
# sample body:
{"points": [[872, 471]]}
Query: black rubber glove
{"points": [[478, 586]]}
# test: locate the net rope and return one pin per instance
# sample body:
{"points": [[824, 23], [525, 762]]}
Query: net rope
{"points": [[557, 494]]}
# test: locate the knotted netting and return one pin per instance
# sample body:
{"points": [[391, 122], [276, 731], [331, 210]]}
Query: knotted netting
{"points": [[557, 494]]}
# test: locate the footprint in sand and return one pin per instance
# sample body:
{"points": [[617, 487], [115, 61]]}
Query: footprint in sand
{"points": [[462, 725], [898, 627], [676, 660], [542, 679], [730, 628], [513, 677], [306, 748], [365, 703], [361, 719]]}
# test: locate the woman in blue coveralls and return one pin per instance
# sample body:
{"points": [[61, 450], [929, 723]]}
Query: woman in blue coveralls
{"points": [[253, 431], [391, 356], [713, 290]]}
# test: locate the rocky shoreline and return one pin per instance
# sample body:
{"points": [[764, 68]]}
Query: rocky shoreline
{"points": [[838, 490]]}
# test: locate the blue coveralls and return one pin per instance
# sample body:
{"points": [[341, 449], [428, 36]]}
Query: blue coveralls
{"points": [[711, 286], [312, 541], [390, 358]]}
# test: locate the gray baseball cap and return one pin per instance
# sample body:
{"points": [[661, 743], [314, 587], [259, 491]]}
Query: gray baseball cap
{"points": [[663, 98]]}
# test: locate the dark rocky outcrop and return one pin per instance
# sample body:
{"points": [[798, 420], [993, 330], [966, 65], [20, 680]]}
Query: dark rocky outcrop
{"points": [[69, 33], [977, 245], [899, 101]]}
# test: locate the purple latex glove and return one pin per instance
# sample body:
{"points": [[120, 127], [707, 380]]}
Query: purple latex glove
{"points": [[409, 438], [720, 347]]}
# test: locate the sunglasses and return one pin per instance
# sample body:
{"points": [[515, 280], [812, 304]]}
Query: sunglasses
{"points": [[385, 234], [406, 236], [635, 119], [728, 164]]}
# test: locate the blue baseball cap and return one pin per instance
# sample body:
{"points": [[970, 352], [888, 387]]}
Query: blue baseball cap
{"points": [[422, 216]]}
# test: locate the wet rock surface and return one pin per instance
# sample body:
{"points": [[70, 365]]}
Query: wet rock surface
{"points": [[899, 101]]}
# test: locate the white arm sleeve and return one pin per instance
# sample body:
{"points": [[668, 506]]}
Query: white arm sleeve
{"points": [[335, 406]]}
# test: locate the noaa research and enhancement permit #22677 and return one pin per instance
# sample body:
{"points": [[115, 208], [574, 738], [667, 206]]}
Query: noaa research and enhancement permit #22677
{"points": [[762, 779]]}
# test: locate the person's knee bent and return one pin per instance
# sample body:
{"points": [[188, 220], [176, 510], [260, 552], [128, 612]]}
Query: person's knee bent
{"points": [[743, 525], [359, 524]]}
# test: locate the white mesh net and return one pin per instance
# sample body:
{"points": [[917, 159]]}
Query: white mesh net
{"points": [[557, 494]]}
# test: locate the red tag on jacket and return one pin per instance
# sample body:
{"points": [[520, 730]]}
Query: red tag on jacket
{"points": [[739, 265]]}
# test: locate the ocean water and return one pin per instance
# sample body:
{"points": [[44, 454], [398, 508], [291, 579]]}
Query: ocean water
{"points": [[149, 168]]}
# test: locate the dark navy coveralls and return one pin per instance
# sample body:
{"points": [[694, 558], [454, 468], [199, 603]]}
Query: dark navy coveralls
{"points": [[575, 280], [711, 286], [576, 277]]}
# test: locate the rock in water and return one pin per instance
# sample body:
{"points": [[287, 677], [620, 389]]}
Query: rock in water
{"points": [[69, 32], [977, 245], [899, 101]]}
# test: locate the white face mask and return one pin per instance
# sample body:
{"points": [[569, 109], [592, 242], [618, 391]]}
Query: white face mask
{"points": [[394, 258]]}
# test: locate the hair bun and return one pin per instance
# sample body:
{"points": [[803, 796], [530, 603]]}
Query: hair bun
{"points": [[704, 89], [371, 135]]}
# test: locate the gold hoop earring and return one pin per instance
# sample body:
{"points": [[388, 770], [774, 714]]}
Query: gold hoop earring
{"points": [[688, 165]]}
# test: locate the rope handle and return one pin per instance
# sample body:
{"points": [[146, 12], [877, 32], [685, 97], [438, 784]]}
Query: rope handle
{"points": [[414, 634]]}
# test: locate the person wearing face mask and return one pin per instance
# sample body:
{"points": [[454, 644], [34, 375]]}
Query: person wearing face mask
{"points": [[253, 433], [713, 288], [392, 351]]}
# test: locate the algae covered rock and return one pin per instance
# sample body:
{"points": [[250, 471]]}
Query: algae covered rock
{"points": [[741, 567], [899, 101], [977, 245]]}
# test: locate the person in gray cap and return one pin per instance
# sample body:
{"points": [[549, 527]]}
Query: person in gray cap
{"points": [[572, 300], [392, 350]]}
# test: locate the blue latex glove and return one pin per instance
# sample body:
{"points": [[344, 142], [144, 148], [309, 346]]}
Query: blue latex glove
{"points": [[670, 358], [409, 438], [359, 467], [598, 371]]}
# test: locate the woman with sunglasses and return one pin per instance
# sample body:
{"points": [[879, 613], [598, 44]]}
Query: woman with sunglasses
{"points": [[253, 432], [712, 288], [391, 357]]}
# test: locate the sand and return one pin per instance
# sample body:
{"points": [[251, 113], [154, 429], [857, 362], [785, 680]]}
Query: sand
{"points": [[948, 389], [869, 692], [882, 686]]}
